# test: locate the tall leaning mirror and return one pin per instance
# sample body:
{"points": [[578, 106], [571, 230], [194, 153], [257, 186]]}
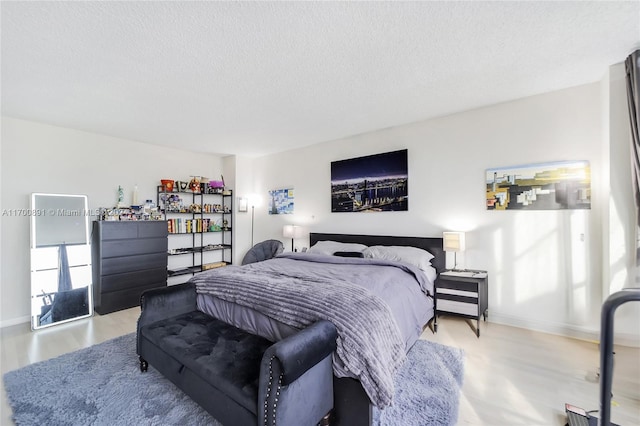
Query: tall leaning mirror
{"points": [[60, 259]]}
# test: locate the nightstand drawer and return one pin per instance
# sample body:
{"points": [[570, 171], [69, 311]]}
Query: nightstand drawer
{"points": [[458, 307], [453, 292], [457, 285]]}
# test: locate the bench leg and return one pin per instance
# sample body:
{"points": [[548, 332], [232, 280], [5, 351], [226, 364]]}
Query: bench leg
{"points": [[144, 365]]}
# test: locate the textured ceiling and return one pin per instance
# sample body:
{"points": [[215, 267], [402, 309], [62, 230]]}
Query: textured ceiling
{"points": [[262, 77]]}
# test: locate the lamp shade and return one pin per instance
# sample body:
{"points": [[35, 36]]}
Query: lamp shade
{"points": [[292, 231], [287, 231], [453, 241]]}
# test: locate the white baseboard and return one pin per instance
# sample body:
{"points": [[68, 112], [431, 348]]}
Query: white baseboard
{"points": [[574, 331], [15, 321]]}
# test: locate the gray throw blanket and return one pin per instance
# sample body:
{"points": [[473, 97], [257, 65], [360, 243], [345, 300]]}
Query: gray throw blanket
{"points": [[369, 345]]}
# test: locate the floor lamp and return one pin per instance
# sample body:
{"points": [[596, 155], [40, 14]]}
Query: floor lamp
{"points": [[253, 208], [254, 201]]}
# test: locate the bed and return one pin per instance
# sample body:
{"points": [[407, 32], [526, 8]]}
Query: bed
{"points": [[379, 305]]}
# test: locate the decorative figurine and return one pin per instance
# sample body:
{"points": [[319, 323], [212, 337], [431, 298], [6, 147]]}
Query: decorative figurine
{"points": [[120, 197], [194, 184]]}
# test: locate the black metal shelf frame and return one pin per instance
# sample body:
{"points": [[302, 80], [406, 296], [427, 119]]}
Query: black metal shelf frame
{"points": [[198, 245]]}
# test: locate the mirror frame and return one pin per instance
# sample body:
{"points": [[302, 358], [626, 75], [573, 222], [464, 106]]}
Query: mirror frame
{"points": [[53, 210]]}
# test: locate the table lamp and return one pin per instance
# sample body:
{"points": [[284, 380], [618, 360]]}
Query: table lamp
{"points": [[453, 242], [293, 232]]}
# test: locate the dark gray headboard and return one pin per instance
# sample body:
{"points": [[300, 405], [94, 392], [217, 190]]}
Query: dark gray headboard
{"points": [[432, 245]]}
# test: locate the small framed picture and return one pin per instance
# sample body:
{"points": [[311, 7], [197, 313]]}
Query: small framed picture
{"points": [[243, 204]]}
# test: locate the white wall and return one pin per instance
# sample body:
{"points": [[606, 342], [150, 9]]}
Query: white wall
{"points": [[1, 220], [238, 173], [41, 158], [545, 267]]}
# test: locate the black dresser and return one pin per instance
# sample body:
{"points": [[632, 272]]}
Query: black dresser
{"points": [[128, 258]]}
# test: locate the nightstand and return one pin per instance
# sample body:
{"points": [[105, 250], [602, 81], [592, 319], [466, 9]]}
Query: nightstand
{"points": [[462, 293]]}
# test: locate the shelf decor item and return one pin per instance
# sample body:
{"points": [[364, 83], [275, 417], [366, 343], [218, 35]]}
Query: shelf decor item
{"points": [[194, 184], [167, 185], [120, 197], [182, 186], [216, 186], [204, 185]]}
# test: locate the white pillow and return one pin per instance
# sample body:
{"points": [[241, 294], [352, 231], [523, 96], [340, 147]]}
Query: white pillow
{"points": [[411, 255], [330, 247]]}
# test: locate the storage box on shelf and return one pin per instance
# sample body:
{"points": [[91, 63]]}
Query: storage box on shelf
{"points": [[112, 214], [199, 229]]}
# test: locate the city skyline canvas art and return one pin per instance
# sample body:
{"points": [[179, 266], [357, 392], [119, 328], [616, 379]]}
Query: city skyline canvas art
{"points": [[546, 186], [373, 183]]}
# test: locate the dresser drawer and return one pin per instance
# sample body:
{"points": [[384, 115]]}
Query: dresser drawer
{"points": [[121, 248], [458, 307], [132, 263], [117, 282], [127, 230]]}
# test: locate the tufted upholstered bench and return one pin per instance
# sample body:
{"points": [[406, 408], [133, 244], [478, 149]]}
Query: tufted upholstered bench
{"points": [[239, 378]]}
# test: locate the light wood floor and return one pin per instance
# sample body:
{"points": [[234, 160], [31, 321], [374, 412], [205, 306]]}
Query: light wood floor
{"points": [[520, 377], [512, 376]]}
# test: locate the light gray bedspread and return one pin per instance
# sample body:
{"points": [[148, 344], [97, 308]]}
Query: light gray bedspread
{"points": [[353, 293]]}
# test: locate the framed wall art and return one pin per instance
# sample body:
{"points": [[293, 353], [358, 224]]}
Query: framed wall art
{"points": [[546, 186], [281, 201], [374, 183]]}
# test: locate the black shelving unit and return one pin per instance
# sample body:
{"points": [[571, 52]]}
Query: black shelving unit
{"points": [[207, 218]]}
